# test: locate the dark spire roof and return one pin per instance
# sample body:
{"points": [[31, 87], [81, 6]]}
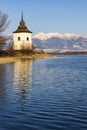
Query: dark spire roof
{"points": [[22, 27]]}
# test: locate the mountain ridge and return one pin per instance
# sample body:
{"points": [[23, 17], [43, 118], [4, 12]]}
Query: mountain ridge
{"points": [[59, 41], [45, 36]]}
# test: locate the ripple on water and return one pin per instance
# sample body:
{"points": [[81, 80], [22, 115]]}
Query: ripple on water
{"points": [[48, 94]]}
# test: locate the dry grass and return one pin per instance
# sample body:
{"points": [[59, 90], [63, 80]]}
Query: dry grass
{"points": [[15, 58], [7, 59]]}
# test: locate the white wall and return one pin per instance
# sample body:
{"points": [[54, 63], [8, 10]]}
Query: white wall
{"points": [[23, 40]]}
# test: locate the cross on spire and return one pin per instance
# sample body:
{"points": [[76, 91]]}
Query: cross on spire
{"points": [[22, 15]]}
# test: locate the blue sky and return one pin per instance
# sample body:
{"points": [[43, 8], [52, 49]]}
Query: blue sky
{"points": [[62, 16]]}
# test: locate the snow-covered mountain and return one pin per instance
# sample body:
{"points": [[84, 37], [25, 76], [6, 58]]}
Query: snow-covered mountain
{"points": [[59, 41]]}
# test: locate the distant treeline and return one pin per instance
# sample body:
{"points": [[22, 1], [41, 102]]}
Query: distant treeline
{"points": [[18, 52], [71, 53], [27, 52]]}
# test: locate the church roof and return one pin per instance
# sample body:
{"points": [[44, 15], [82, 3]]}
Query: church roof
{"points": [[22, 27]]}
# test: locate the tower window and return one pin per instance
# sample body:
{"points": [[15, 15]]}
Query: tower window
{"points": [[18, 38], [27, 38]]}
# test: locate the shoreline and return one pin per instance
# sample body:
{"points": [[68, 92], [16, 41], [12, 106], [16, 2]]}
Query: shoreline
{"points": [[4, 60], [9, 59]]}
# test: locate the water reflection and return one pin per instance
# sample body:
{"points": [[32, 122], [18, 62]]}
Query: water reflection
{"points": [[23, 73], [2, 81], [22, 80]]}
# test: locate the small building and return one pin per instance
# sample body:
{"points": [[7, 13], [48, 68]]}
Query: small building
{"points": [[22, 37]]}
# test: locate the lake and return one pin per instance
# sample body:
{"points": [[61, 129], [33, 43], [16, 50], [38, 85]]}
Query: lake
{"points": [[44, 94]]}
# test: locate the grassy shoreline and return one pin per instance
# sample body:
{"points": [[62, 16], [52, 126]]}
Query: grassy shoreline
{"points": [[8, 59], [4, 60]]}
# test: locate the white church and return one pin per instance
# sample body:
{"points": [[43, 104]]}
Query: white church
{"points": [[22, 37]]}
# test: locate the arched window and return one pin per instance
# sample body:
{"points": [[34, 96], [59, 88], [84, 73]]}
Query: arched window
{"points": [[18, 38], [27, 38]]}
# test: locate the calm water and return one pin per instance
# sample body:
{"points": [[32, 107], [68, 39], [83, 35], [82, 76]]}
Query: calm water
{"points": [[44, 94]]}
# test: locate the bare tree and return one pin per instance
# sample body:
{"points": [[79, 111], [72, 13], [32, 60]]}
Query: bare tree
{"points": [[3, 25], [3, 39], [3, 21]]}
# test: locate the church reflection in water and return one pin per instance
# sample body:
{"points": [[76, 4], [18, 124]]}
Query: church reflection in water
{"points": [[23, 80], [23, 74]]}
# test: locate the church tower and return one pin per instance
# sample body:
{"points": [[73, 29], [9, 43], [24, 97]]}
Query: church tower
{"points": [[22, 36]]}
